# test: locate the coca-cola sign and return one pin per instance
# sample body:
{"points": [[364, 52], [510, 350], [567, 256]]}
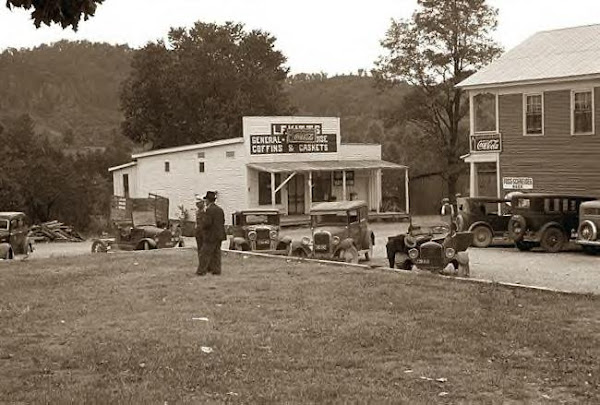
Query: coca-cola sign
{"points": [[486, 143]]}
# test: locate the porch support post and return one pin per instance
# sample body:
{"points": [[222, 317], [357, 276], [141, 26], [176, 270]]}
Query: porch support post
{"points": [[473, 180], [273, 191], [498, 183], [343, 185], [379, 191], [309, 191], [406, 196]]}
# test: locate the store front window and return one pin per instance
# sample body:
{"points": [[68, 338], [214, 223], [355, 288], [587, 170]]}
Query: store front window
{"points": [[321, 186], [264, 188]]}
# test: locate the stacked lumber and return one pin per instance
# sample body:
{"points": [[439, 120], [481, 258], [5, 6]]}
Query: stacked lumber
{"points": [[54, 231]]}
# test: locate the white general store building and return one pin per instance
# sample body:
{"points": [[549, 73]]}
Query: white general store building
{"points": [[283, 162]]}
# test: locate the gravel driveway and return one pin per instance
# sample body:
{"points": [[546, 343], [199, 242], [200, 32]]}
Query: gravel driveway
{"points": [[569, 271]]}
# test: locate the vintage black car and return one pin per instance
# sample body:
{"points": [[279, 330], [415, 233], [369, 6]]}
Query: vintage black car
{"points": [[548, 221], [433, 246], [486, 217], [340, 231], [14, 231], [258, 230], [589, 223], [140, 224]]}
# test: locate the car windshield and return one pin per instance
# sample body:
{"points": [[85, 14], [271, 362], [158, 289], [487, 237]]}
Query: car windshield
{"points": [[4, 224], [330, 218], [259, 219]]}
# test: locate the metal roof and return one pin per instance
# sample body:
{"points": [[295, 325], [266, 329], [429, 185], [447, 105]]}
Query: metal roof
{"points": [[325, 165], [563, 54], [338, 205], [186, 148], [594, 203], [123, 166], [10, 214]]}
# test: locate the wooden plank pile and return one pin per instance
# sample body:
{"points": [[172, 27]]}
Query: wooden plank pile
{"points": [[54, 231]]}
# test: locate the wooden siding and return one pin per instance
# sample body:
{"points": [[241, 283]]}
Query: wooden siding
{"points": [[557, 161]]}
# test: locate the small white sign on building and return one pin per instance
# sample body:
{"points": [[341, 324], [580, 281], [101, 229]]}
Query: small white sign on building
{"points": [[517, 183]]}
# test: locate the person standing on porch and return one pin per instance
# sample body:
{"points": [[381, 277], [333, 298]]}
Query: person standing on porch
{"points": [[213, 227]]}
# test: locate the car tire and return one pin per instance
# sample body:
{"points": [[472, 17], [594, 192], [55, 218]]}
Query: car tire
{"points": [[464, 270], [298, 253], [98, 247], [146, 245], [349, 255], [369, 254], [482, 236], [402, 262], [524, 246], [553, 240]]}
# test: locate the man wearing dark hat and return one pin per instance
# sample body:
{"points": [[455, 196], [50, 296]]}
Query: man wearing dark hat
{"points": [[214, 233]]}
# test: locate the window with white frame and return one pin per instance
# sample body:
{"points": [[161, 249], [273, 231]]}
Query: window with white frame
{"points": [[533, 117], [167, 166], [201, 168], [582, 112]]}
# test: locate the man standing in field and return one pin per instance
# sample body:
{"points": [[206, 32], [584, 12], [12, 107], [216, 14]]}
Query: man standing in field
{"points": [[199, 232], [209, 259]]}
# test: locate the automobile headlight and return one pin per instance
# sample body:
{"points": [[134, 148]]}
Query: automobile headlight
{"points": [[335, 240], [306, 241], [273, 234], [410, 241], [517, 230], [450, 252], [413, 253], [252, 235]]}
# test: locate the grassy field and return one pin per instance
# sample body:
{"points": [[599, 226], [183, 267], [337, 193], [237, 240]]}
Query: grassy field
{"points": [[131, 328]]}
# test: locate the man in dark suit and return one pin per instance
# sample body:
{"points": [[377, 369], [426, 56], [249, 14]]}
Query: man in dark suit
{"points": [[214, 233]]}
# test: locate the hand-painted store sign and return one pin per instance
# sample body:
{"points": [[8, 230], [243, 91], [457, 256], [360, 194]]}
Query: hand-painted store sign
{"points": [[491, 142], [293, 138]]}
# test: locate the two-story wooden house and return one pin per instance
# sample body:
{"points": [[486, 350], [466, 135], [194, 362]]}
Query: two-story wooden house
{"points": [[535, 116]]}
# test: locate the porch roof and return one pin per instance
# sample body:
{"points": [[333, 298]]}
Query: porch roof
{"points": [[324, 165]]}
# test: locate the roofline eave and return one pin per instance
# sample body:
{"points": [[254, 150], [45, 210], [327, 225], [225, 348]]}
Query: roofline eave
{"points": [[492, 85]]}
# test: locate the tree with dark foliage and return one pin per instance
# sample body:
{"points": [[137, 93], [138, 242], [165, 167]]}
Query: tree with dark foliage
{"points": [[64, 12], [197, 86], [443, 43]]}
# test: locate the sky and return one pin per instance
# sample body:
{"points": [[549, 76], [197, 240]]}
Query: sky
{"points": [[331, 36]]}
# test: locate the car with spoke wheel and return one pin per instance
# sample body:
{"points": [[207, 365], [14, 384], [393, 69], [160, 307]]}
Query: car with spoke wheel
{"points": [[340, 231], [486, 217], [258, 230], [14, 235], [589, 223], [431, 245], [548, 221]]}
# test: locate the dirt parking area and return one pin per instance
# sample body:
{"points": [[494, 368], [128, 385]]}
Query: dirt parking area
{"points": [[569, 271]]}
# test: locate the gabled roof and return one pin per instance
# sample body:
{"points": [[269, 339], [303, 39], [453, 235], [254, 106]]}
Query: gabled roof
{"points": [[563, 54]]}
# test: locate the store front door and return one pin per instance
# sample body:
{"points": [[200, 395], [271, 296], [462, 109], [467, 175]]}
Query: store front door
{"points": [[296, 195]]}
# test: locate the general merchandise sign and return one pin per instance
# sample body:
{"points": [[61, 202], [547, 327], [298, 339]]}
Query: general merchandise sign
{"points": [[293, 138], [517, 183]]}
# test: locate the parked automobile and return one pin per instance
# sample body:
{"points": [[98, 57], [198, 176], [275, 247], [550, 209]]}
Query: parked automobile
{"points": [[14, 231], [340, 231], [258, 230], [432, 246], [485, 217], [589, 222], [140, 224], [545, 220]]}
